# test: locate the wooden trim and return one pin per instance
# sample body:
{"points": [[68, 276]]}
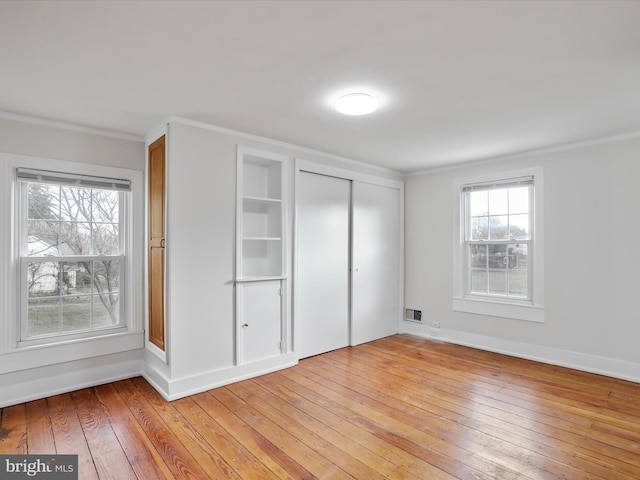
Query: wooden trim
{"points": [[156, 241]]}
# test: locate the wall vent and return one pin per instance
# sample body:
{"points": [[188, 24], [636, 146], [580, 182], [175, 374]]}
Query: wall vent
{"points": [[413, 315]]}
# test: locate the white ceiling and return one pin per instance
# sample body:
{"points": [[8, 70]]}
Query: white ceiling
{"points": [[458, 81]]}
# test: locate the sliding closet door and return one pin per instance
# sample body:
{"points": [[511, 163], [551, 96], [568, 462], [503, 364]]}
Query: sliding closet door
{"points": [[375, 287], [323, 205]]}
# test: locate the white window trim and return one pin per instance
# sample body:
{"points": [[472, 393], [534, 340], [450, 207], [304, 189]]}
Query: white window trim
{"points": [[10, 323], [532, 310]]}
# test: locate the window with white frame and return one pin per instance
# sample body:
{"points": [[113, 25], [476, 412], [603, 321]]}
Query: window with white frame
{"points": [[498, 233], [72, 254], [499, 257]]}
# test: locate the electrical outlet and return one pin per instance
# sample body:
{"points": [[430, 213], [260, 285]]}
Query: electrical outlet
{"points": [[435, 324]]}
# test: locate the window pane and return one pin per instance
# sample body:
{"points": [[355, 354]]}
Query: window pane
{"points": [[106, 310], [42, 203], [75, 238], [518, 283], [478, 203], [498, 282], [106, 239], [42, 238], [42, 279], [517, 257], [105, 206], [479, 228], [499, 228], [479, 281], [43, 316], [75, 278], [519, 227], [498, 201], [478, 254], [76, 313], [497, 256], [519, 200], [75, 204], [106, 276]]}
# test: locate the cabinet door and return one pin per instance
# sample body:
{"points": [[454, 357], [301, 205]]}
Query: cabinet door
{"points": [[375, 251], [261, 329], [156, 257]]}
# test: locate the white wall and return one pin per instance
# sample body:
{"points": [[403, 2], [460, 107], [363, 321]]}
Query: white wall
{"points": [[200, 249], [591, 202], [201, 196], [23, 138], [36, 372]]}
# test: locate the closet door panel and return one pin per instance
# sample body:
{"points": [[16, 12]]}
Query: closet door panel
{"points": [[375, 250], [323, 263]]}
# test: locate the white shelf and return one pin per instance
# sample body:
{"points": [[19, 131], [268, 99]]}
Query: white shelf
{"points": [[260, 214], [261, 279], [268, 239], [262, 199]]}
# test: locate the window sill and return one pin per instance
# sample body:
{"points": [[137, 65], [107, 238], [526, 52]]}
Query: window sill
{"points": [[529, 313], [53, 353], [65, 339]]}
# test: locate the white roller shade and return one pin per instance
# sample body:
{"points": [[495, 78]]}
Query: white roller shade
{"points": [[71, 179]]}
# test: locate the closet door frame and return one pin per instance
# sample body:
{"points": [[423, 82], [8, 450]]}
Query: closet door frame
{"points": [[302, 165]]}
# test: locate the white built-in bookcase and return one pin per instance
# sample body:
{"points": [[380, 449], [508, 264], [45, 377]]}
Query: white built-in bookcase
{"points": [[260, 254]]}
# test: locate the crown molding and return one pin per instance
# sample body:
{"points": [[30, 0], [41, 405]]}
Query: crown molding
{"points": [[279, 143], [527, 153], [69, 126]]}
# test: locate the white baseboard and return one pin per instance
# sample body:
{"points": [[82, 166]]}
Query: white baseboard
{"points": [[173, 389], [610, 367], [42, 382]]}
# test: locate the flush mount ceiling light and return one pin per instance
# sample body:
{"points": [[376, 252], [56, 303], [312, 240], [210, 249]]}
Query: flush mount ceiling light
{"points": [[356, 104]]}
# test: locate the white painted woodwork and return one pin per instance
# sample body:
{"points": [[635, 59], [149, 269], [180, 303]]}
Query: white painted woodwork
{"points": [[260, 269], [322, 281], [261, 320], [375, 246]]}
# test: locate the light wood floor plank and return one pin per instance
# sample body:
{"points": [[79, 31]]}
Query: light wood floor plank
{"points": [[39, 436], [13, 431], [277, 434], [271, 456], [169, 445], [108, 457], [463, 392], [144, 459], [400, 408], [68, 434]]}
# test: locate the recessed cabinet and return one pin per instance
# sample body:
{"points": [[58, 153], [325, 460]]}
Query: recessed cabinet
{"points": [[260, 212], [156, 173], [260, 268]]}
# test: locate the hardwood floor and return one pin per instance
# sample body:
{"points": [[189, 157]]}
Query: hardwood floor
{"points": [[401, 407]]}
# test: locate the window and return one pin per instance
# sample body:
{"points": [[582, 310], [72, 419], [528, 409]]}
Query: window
{"points": [[499, 258], [72, 254], [498, 235]]}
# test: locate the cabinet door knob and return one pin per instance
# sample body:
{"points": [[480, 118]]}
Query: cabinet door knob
{"points": [[162, 243], [245, 325]]}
